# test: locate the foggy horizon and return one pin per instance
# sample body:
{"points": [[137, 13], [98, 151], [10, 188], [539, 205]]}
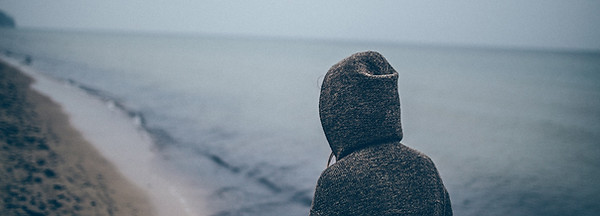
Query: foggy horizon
{"points": [[531, 25]]}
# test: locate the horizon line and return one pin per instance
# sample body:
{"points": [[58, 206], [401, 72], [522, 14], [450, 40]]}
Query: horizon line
{"points": [[421, 44]]}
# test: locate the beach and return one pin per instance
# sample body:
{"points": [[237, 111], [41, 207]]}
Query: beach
{"points": [[47, 167]]}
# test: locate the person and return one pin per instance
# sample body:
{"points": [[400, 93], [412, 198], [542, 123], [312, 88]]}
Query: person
{"points": [[374, 174]]}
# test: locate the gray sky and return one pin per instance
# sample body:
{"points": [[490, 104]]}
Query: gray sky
{"points": [[570, 24]]}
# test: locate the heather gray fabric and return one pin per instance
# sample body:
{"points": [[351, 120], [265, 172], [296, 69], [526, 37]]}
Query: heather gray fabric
{"points": [[374, 174]]}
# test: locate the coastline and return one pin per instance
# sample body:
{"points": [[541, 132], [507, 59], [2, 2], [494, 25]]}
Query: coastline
{"points": [[47, 167]]}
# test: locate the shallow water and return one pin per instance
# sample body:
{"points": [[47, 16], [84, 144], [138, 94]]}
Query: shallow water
{"points": [[511, 132]]}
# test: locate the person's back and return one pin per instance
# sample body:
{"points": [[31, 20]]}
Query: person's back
{"points": [[374, 174]]}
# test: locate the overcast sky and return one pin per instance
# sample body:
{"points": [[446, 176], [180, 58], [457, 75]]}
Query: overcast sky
{"points": [[570, 24]]}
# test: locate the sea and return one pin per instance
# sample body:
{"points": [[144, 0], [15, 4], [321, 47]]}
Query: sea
{"points": [[236, 119]]}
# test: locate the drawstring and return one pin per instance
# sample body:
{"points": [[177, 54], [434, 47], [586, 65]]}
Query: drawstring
{"points": [[330, 157]]}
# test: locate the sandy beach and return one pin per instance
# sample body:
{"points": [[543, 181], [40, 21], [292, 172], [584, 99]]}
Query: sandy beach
{"points": [[46, 166]]}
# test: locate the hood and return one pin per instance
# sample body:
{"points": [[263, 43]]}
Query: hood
{"points": [[359, 104]]}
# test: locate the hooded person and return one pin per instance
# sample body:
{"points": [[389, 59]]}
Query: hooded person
{"points": [[374, 174]]}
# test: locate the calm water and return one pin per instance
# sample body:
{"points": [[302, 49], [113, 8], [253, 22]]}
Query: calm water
{"points": [[511, 132]]}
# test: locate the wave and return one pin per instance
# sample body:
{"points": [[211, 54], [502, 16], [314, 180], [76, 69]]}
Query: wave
{"points": [[162, 139]]}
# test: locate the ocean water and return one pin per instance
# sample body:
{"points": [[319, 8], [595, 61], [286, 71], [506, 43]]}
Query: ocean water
{"points": [[512, 132]]}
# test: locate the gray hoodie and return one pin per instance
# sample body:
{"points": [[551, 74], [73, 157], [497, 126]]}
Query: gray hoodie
{"points": [[374, 174]]}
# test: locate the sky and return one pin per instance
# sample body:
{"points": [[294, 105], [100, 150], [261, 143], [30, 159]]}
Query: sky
{"points": [[540, 24]]}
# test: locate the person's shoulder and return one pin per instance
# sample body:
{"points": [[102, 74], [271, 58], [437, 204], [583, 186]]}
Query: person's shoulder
{"points": [[403, 158], [349, 168], [413, 153], [339, 169]]}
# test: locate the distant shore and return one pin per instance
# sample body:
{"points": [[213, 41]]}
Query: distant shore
{"points": [[46, 166]]}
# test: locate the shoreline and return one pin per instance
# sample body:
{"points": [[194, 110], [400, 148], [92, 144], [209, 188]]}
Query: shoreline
{"points": [[48, 167], [114, 137]]}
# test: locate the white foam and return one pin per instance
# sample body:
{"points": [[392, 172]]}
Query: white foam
{"points": [[119, 140]]}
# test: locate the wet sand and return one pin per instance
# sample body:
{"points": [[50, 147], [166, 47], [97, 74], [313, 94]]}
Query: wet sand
{"points": [[46, 166]]}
